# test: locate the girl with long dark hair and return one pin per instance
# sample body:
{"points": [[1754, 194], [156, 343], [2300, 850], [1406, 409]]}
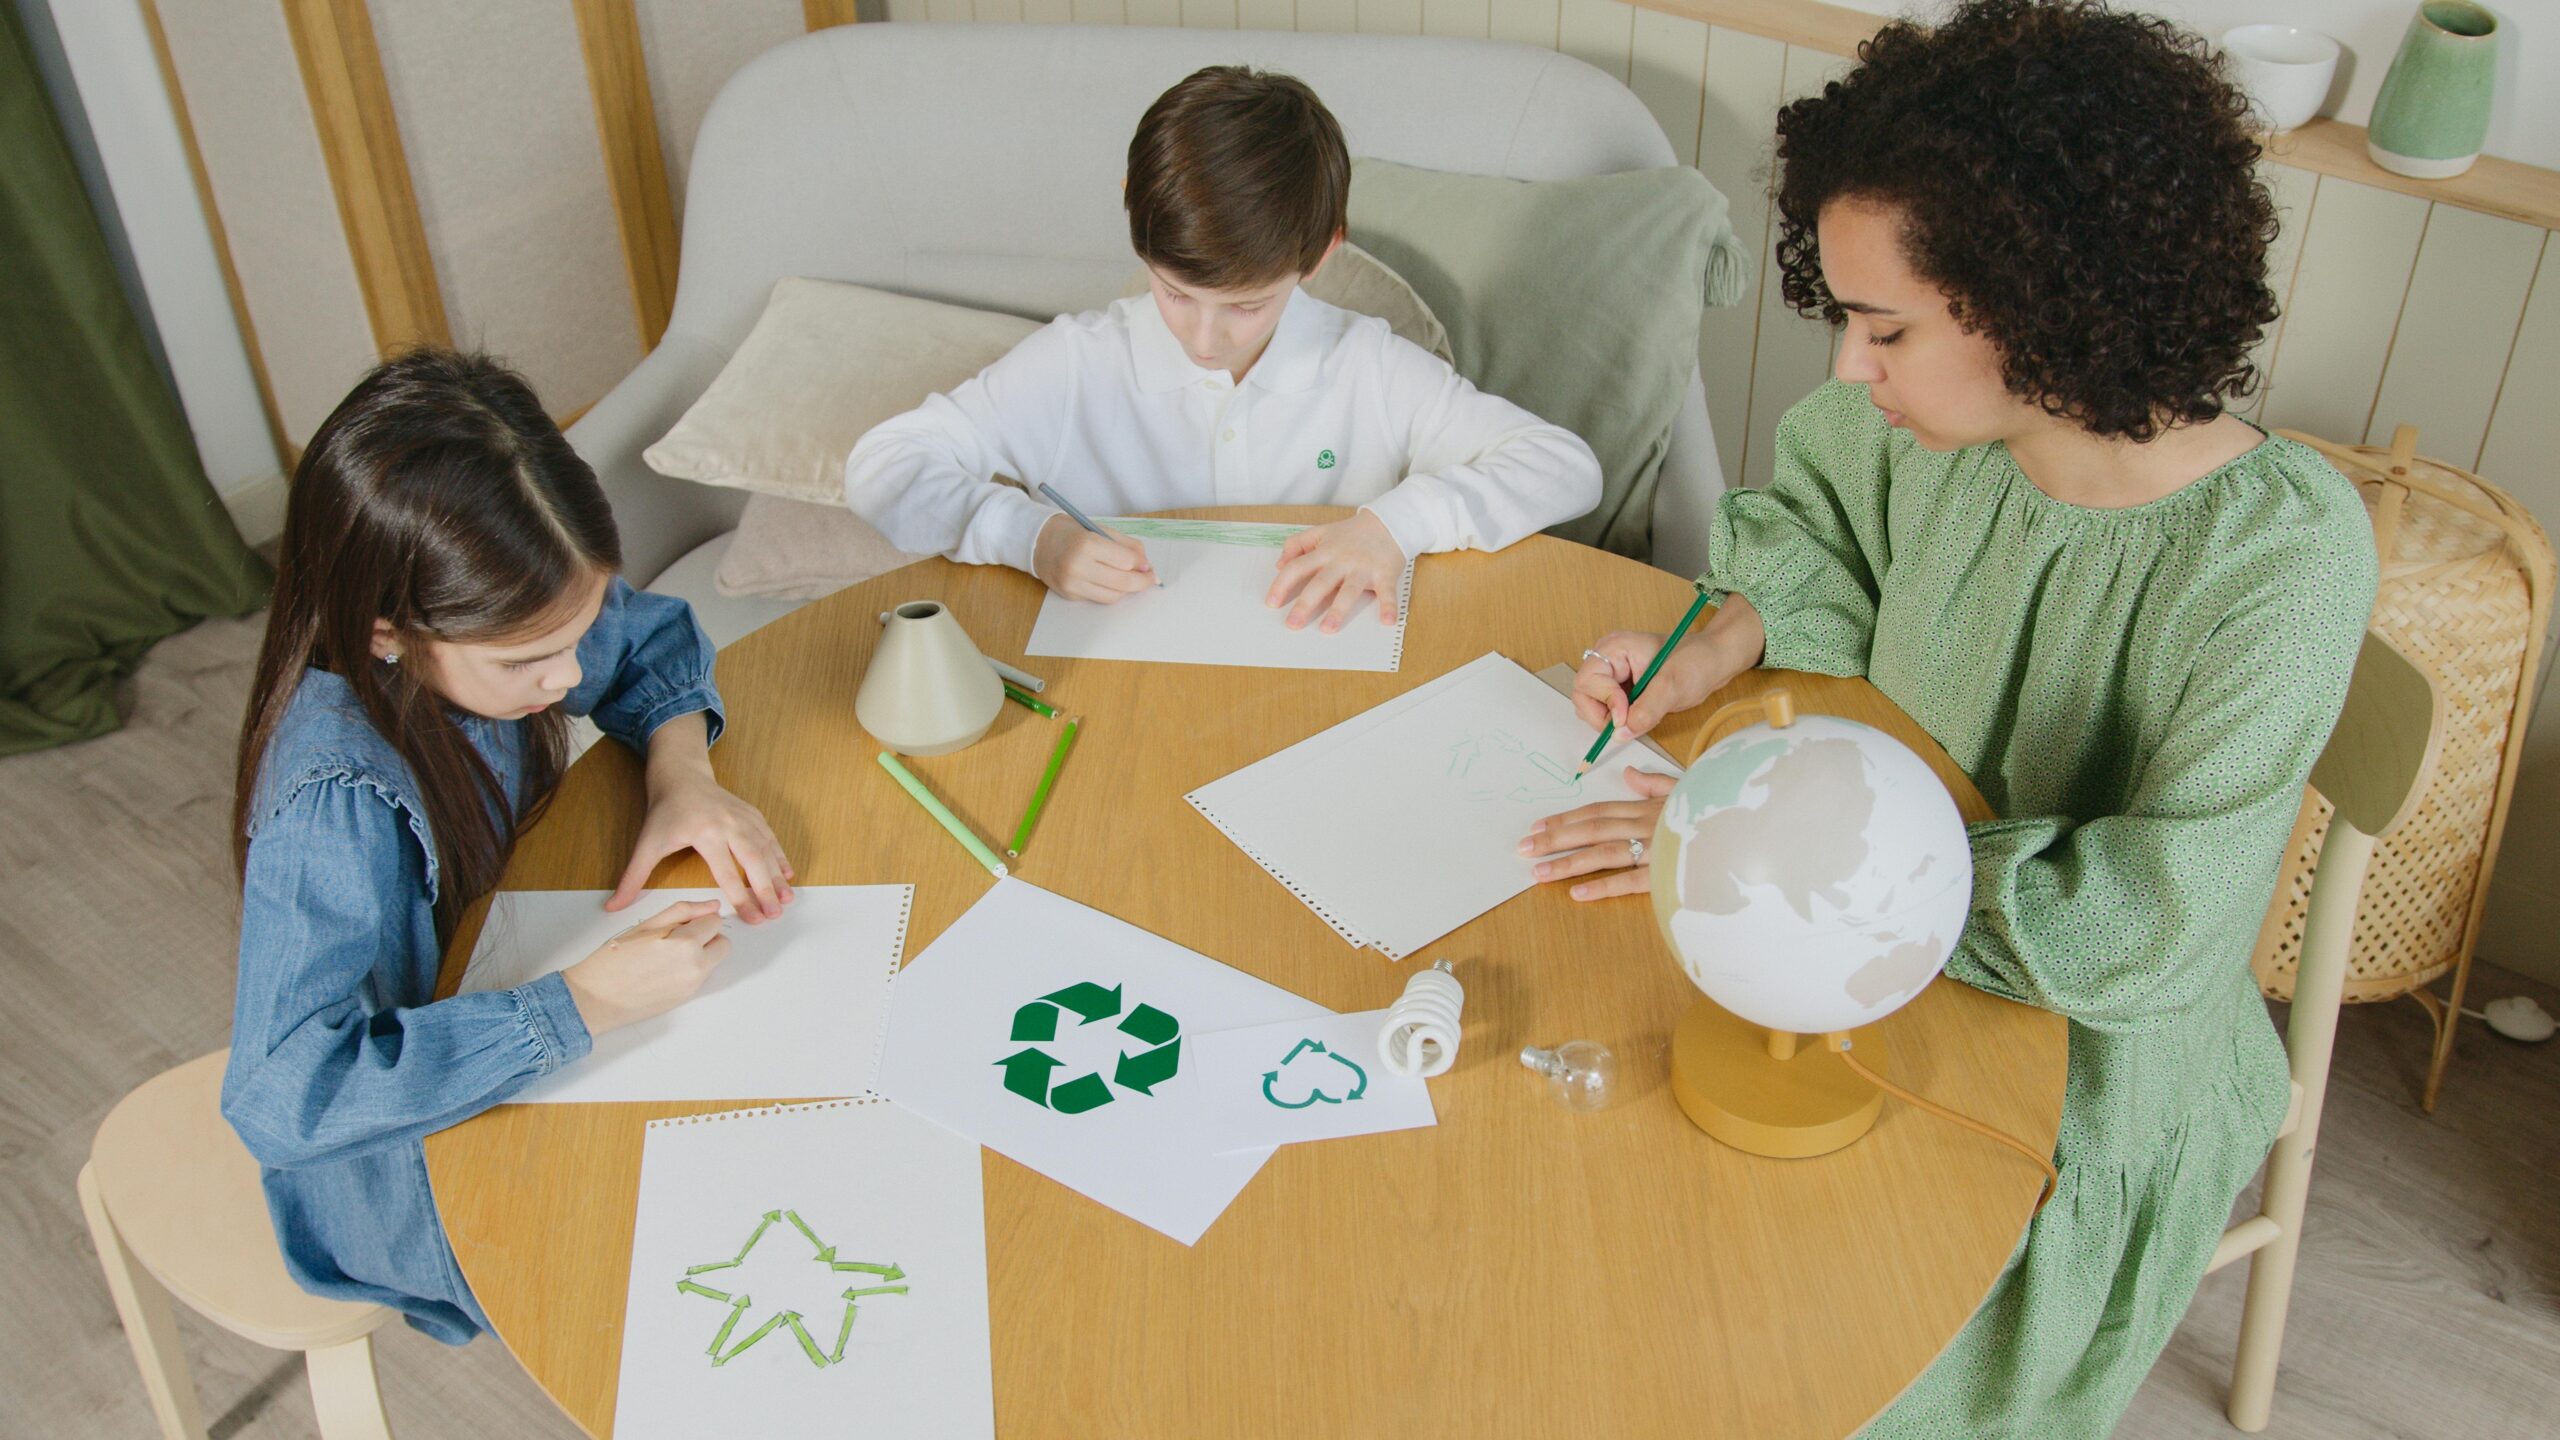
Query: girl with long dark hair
{"points": [[446, 597]]}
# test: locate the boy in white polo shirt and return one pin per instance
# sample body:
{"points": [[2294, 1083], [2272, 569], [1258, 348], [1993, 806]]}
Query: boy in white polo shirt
{"points": [[1225, 385]]}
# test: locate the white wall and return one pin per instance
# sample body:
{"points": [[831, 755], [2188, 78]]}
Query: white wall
{"points": [[145, 161], [2524, 124]]}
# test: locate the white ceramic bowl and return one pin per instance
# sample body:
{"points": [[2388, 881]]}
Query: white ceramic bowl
{"points": [[2285, 70]]}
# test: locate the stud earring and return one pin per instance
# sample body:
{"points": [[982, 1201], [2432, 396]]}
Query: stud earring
{"points": [[391, 659]]}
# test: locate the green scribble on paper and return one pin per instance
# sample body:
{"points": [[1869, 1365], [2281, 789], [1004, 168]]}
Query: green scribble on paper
{"points": [[1260, 534]]}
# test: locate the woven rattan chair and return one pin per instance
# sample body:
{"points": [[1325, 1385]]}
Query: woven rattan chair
{"points": [[2374, 771]]}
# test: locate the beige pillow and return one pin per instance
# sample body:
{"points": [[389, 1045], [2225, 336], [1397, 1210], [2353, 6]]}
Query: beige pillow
{"points": [[1360, 282], [793, 550], [825, 362]]}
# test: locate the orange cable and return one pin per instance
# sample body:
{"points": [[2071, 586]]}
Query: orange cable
{"points": [[2052, 1178]]}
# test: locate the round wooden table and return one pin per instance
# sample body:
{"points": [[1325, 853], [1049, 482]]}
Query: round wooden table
{"points": [[1520, 1269]]}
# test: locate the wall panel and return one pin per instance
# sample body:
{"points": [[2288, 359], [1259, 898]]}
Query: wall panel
{"points": [[2292, 190], [1745, 77], [493, 107], [1600, 33], [1668, 72], [1793, 354], [2358, 248], [1466, 19], [1525, 22], [693, 49], [253, 124], [2465, 299]]}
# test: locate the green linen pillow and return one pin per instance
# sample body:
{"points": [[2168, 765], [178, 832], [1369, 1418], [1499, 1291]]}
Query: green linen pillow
{"points": [[1578, 300]]}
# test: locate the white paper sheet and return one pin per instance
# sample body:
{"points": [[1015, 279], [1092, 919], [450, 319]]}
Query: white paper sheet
{"points": [[1210, 611], [1403, 823], [797, 1008], [863, 1197], [1111, 1080], [1319, 1078]]}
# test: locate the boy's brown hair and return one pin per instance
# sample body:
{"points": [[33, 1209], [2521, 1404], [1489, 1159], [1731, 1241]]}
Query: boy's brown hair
{"points": [[1237, 178]]}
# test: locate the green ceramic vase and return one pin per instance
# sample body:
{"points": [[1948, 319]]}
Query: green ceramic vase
{"points": [[2433, 109]]}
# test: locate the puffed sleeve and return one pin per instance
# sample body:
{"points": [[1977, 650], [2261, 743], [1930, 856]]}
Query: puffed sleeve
{"points": [[2123, 922], [328, 1059], [645, 662], [1810, 550]]}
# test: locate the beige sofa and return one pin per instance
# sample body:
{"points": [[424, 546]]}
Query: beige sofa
{"points": [[978, 164]]}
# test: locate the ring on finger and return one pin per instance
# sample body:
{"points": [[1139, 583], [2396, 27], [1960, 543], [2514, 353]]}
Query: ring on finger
{"points": [[1635, 852], [1594, 655]]}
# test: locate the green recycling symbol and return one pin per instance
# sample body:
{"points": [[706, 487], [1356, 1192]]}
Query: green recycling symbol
{"points": [[1271, 1078], [1027, 1072], [722, 1352]]}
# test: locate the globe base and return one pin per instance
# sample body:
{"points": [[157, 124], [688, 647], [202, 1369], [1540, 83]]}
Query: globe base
{"points": [[1732, 1086]]}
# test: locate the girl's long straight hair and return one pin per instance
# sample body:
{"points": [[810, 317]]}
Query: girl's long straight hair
{"points": [[439, 497]]}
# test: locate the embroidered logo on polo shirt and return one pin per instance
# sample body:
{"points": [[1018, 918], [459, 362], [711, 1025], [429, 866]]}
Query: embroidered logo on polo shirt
{"points": [[1324, 459]]}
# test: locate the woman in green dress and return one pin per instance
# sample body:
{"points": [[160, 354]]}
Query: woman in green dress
{"points": [[2023, 512]]}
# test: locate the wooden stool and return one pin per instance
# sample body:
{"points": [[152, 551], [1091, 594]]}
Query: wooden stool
{"points": [[175, 1208]]}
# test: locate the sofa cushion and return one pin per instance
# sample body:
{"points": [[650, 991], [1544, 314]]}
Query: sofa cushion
{"points": [[825, 363], [1577, 300]]}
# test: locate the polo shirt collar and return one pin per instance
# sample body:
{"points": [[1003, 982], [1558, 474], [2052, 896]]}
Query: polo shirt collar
{"points": [[1293, 361]]}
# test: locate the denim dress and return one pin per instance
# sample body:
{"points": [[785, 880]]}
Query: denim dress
{"points": [[342, 1060]]}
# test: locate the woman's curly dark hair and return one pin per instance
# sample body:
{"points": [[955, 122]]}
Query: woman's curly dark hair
{"points": [[2082, 186]]}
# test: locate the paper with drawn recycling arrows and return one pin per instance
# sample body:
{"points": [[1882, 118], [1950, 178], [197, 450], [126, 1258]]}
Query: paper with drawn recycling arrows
{"points": [[1038, 1028], [876, 1253], [1312, 1079]]}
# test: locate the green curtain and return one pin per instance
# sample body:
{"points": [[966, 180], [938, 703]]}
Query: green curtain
{"points": [[110, 536]]}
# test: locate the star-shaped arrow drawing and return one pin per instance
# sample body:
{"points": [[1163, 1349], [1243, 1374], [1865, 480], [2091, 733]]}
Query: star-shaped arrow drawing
{"points": [[722, 1351]]}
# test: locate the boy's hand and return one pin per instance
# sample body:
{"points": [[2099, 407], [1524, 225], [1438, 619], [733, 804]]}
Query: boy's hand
{"points": [[1081, 565], [1332, 568]]}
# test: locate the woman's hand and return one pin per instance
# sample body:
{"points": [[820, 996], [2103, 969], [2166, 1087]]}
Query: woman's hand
{"points": [[1613, 663], [1332, 568], [689, 810], [650, 968], [1081, 565], [1599, 836]]}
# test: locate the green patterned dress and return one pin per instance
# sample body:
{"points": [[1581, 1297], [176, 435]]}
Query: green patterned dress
{"points": [[2139, 693]]}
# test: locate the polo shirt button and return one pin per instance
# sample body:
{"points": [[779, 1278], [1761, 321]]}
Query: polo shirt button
{"points": [[1230, 435]]}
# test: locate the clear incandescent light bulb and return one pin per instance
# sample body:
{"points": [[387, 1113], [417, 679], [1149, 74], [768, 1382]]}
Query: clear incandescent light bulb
{"points": [[1581, 1075]]}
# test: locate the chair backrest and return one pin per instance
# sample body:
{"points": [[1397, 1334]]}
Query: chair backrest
{"points": [[2375, 768], [980, 164]]}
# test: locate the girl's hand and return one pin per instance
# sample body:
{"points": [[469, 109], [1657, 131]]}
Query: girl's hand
{"points": [[1598, 834], [1600, 687], [650, 968], [1332, 568], [1081, 565], [688, 810]]}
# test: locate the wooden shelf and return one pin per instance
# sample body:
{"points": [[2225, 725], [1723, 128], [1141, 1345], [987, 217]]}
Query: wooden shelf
{"points": [[2507, 188], [2510, 189]]}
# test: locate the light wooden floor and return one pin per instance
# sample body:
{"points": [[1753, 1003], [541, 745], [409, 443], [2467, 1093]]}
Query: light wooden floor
{"points": [[2426, 1306]]}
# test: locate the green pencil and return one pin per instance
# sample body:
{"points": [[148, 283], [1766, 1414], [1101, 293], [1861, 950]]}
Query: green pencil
{"points": [[1610, 727], [1020, 696], [934, 806], [1040, 797]]}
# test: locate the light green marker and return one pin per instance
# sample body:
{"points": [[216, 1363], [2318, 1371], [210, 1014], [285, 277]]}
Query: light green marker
{"points": [[934, 806]]}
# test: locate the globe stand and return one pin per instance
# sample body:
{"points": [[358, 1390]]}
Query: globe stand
{"points": [[1761, 1092]]}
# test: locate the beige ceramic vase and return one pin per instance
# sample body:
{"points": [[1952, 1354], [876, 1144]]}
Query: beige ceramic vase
{"points": [[928, 691]]}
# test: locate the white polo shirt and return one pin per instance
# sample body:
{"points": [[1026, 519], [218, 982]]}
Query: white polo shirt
{"points": [[1108, 407]]}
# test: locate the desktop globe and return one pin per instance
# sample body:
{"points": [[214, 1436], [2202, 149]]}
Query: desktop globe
{"points": [[1811, 875]]}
